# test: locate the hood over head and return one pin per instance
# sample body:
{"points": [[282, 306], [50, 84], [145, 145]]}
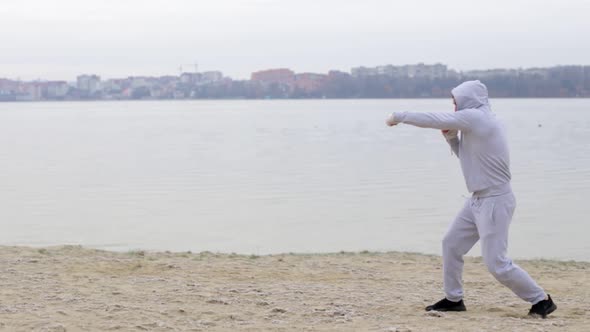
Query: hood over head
{"points": [[470, 94]]}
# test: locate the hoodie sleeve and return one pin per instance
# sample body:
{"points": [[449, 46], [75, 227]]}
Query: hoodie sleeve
{"points": [[462, 120]]}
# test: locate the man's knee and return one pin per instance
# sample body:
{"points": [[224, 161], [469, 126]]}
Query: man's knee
{"points": [[448, 243], [499, 267], [451, 245]]}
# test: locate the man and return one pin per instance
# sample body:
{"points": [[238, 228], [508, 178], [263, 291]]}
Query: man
{"points": [[483, 153]]}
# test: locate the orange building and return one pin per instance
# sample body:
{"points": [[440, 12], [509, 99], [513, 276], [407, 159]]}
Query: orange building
{"points": [[282, 76], [310, 82]]}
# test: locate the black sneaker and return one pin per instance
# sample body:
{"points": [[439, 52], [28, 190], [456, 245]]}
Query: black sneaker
{"points": [[446, 305], [543, 308]]}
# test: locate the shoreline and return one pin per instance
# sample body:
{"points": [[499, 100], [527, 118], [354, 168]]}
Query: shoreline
{"points": [[143, 251], [71, 288], [265, 99]]}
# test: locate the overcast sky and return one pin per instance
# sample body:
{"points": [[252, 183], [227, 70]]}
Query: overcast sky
{"points": [[59, 39]]}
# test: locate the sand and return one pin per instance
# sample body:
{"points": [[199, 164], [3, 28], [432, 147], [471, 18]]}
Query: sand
{"points": [[71, 288]]}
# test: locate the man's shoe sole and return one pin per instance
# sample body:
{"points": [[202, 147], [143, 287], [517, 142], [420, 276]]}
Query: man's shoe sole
{"points": [[447, 309]]}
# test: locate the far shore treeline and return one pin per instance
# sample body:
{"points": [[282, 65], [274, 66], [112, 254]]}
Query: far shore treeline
{"points": [[389, 81]]}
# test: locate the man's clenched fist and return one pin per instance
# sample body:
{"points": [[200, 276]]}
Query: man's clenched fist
{"points": [[391, 120], [449, 134]]}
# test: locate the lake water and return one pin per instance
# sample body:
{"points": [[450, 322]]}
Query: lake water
{"points": [[278, 176]]}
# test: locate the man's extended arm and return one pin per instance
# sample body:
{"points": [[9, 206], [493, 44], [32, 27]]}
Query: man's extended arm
{"points": [[462, 120]]}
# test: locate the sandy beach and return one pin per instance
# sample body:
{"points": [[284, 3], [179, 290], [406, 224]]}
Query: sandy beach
{"points": [[71, 288]]}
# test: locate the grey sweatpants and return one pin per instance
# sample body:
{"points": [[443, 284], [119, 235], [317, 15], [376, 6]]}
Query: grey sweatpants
{"points": [[486, 219]]}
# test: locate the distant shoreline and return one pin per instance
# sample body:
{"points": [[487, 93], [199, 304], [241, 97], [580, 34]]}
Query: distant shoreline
{"points": [[385, 81], [262, 99]]}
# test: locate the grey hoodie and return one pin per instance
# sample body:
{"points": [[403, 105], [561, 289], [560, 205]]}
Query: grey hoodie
{"points": [[482, 147]]}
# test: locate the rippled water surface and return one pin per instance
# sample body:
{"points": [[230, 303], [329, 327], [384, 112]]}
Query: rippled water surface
{"points": [[278, 176]]}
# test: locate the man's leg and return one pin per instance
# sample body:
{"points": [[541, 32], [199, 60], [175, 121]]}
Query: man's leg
{"points": [[493, 217], [460, 238]]}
